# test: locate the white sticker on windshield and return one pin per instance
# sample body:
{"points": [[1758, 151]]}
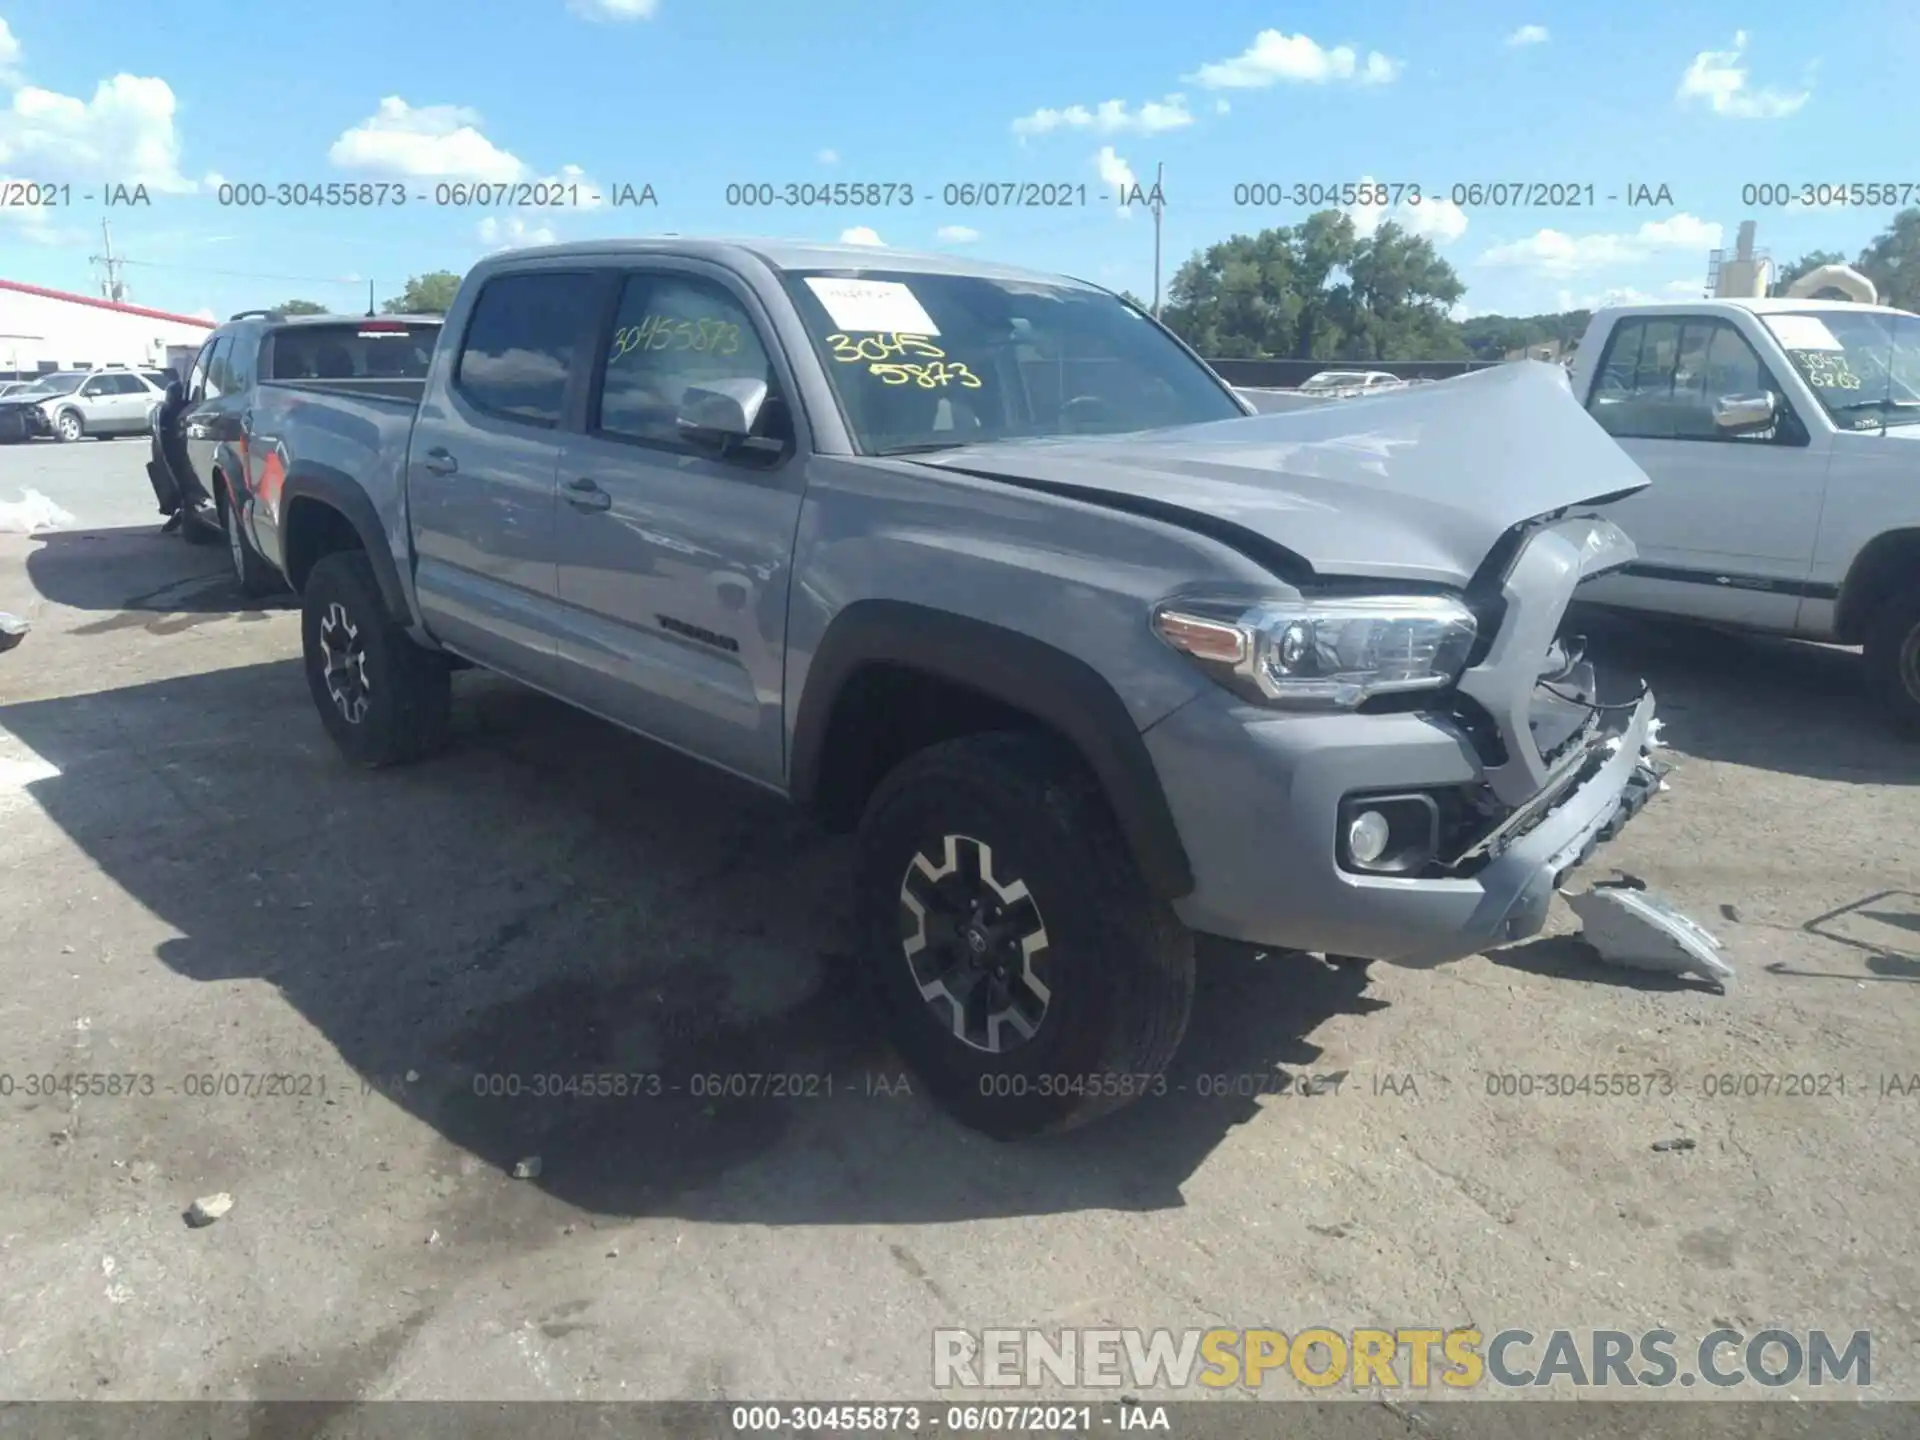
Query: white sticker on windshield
{"points": [[1802, 332], [884, 305]]}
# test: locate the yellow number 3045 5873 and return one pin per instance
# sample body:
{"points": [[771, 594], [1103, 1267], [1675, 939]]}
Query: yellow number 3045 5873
{"points": [[869, 348]]}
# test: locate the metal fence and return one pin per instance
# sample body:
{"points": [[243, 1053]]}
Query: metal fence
{"points": [[1286, 374]]}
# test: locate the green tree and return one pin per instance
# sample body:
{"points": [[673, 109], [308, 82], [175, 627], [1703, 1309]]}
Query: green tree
{"points": [[1892, 262], [1318, 291], [298, 307], [1808, 262], [1135, 301], [1494, 337], [429, 294]]}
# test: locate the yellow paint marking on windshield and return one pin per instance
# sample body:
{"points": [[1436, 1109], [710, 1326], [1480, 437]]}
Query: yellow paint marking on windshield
{"points": [[928, 377], [869, 348]]}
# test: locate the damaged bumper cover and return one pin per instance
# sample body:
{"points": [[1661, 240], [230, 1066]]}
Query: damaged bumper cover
{"points": [[1257, 796]]}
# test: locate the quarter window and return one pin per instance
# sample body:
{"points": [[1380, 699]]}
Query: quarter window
{"points": [[523, 344]]}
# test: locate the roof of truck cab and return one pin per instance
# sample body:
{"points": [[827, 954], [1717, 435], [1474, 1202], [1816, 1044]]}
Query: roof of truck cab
{"points": [[788, 255], [1759, 305]]}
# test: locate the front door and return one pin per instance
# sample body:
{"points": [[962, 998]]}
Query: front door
{"points": [[1726, 529], [480, 470], [674, 559]]}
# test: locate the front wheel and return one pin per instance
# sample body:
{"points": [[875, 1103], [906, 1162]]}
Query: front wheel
{"points": [[1893, 660], [1023, 968], [383, 699], [255, 577], [69, 427]]}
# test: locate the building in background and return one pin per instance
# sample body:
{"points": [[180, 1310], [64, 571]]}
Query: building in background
{"points": [[42, 330]]}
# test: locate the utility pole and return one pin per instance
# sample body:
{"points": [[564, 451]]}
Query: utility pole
{"points": [[1159, 207], [113, 288]]}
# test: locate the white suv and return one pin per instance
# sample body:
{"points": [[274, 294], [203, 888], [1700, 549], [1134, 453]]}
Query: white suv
{"points": [[70, 404]]}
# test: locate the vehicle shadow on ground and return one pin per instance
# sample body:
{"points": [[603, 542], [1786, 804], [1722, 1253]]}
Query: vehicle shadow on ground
{"points": [[1773, 704], [144, 579], [556, 898]]}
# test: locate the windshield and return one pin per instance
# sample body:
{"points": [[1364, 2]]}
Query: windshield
{"points": [[929, 361], [1863, 365], [60, 383]]}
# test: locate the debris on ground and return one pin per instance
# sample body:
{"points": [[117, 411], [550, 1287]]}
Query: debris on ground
{"points": [[1680, 1142], [1625, 924], [527, 1169], [12, 630], [32, 511], [208, 1208]]}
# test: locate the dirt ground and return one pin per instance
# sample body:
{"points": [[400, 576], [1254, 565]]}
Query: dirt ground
{"points": [[194, 887]]}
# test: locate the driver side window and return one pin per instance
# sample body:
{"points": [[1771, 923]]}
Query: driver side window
{"points": [[674, 332], [1664, 377]]}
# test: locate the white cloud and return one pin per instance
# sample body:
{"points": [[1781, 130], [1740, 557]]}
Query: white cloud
{"points": [[203, 313], [1222, 106], [581, 191], [1111, 117], [10, 55], [1275, 56], [614, 9], [1684, 287], [860, 235], [957, 234], [212, 180], [1528, 35], [828, 157], [441, 141], [513, 231], [125, 133], [1117, 173], [1440, 221], [1719, 78], [1553, 252]]}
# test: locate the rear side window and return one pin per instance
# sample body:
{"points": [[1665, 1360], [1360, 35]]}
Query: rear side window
{"points": [[349, 352], [527, 336]]}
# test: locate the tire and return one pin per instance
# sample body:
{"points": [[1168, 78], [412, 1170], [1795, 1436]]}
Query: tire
{"points": [[255, 577], [1019, 824], [69, 427], [384, 700], [1893, 660]]}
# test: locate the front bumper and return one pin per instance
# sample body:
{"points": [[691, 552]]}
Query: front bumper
{"points": [[1256, 798]]}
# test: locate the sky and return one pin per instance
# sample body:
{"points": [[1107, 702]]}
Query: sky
{"points": [[582, 97]]}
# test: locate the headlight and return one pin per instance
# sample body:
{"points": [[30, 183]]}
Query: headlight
{"points": [[1323, 654]]}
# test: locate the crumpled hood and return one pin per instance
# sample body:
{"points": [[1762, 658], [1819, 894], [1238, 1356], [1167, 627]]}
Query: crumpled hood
{"points": [[1416, 484]]}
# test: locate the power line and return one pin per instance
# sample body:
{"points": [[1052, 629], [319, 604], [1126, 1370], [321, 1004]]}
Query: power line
{"points": [[242, 274]]}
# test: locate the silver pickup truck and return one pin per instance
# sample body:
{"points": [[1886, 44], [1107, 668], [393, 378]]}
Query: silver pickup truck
{"points": [[990, 567]]}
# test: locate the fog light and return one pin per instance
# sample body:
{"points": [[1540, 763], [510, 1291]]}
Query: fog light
{"points": [[1367, 836]]}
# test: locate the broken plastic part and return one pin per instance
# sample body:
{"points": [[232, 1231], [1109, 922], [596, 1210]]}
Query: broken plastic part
{"points": [[1626, 924]]}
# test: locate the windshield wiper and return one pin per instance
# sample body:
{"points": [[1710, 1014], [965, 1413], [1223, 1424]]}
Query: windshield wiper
{"points": [[920, 447]]}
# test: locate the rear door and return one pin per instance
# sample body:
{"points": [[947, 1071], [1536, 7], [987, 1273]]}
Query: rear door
{"points": [[480, 468], [674, 560], [1726, 529]]}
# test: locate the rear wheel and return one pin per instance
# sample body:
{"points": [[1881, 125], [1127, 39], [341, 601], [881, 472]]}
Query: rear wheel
{"points": [[383, 699], [1893, 660], [1023, 968]]}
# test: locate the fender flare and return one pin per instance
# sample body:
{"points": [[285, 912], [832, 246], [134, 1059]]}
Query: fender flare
{"points": [[1030, 675], [341, 492]]}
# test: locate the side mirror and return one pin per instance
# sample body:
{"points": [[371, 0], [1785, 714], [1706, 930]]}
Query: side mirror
{"points": [[721, 412], [1739, 414]]}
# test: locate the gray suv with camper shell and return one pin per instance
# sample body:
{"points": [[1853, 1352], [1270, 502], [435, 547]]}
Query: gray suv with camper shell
{"points": [[989, 567]]}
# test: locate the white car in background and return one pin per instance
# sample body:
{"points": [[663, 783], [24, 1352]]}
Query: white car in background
{"points": [[1782, 437], [72, 404], [1351, 382]]}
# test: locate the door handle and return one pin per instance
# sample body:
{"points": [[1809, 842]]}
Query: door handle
{"points": [[586, 494], [440, 461]]}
